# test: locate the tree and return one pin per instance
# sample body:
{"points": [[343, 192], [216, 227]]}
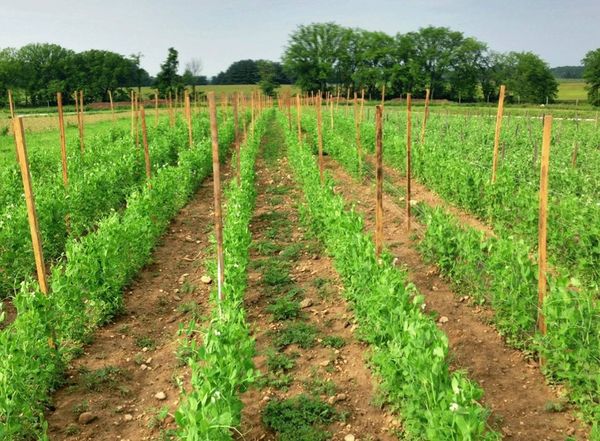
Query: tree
{"points": [[191, 76], [375, 61], [528, 78], [591, 74], [268, 77], [168, 80], [316, 56]]}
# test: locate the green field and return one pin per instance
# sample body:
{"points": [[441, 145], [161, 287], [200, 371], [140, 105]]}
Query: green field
{"points": [[572, 90]]}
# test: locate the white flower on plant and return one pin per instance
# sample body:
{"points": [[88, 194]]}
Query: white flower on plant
{"points": [[217, 333], [454, 407]]}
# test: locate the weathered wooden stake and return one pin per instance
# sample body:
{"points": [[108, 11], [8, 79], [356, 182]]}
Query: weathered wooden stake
{"points": [[236, 131], [156, 109], [425, 115], [188, 117], [80, 122], [30, 202], [408, 157], [379, 181], [112, 105], [132, 96], [299, 119], [542, 230], [63, 139], [357, 129], [362, 103], [217, 191], [497, 133], [137, 120], [171, 111], [145, 141], [320, 140]]}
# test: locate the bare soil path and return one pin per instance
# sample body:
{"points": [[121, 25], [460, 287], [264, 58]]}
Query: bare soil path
{"points": [[125, 386], [514, 387], [293, 286]]}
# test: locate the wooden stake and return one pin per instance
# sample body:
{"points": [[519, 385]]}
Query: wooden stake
{"points": [[146, 149], [132, 112], [408, 156], [63, 139], [497, 134], [217, 191], [379, 181], [362, 102], [425, 115], [112, 106], [236, 132], [188, 116], [30, 202], [299, 119], [357, 129], [171, 111], [137, 121], [574, 154], [545, 163], [320, 140], [347, 101], [80, 121], [156, 109]]}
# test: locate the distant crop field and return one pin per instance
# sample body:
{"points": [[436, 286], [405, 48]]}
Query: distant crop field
{"points": [[571, 90]]}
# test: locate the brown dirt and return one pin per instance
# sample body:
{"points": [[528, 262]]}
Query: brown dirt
{"points": [[514, 387], [151, 312], [354, 386]]}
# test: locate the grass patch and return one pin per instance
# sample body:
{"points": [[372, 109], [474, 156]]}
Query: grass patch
{"points": [[298, 333], [299, 419], [291, 252], [277, 380], [284, 308], [267, 247], [278, 362], [145, 342], [276, 274], [333, 341], [318, 386], [101, 379]]}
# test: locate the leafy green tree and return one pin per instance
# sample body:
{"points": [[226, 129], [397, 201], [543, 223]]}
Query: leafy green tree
{"points": [[168, 80], [591, 74], [467, 69], [268, 77], [315, 55], [528, 78], [7, 72], [375, 61]]}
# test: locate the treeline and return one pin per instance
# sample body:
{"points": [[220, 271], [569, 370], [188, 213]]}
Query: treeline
{"points": [[37, 71], [323, 56], [568, 72], [251, 72]]}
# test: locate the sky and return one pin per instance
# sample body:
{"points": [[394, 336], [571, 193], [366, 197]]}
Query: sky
{"points": [[221, 32]]}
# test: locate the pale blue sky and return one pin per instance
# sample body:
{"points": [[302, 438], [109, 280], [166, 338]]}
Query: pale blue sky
{"points": [[222, 32]]}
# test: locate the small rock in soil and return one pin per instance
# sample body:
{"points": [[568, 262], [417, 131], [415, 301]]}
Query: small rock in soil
{"points": [[349, 437], [160, 396], [443, 319], [128, 417], [206, 280], [306, 303], [86, 418]]}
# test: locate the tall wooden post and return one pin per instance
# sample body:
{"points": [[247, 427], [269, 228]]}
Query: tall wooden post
{"points": [[112, 105], [217, 191], [145, 141], [362, 103], [408, 157], [497, 133], [320, 140], [137, 120], [357, 129], [347, 101], [80, 122], [236, 134], [30, 202], [542, 230], [425, 115], [63, 139], [299, 119], [156, 109], [379, 180], [188, 117]]}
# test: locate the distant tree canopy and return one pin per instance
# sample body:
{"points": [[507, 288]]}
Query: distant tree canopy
{"points": [[323, 56], [568, 72], [249, 72], [37, 71], [591, 74]]}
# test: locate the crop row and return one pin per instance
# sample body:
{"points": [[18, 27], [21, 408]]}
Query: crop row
{"points": [[221, 364], [499, 271], [86, 290], [409, 352]]}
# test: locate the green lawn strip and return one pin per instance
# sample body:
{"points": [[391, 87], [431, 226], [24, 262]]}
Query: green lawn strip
{"points": [[222, 366], [86, 290], [409, 352]]}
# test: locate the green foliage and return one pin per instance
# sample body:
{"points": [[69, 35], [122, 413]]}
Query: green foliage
{"points": [[285, 307], [222, 367], [298, 333], [86, 290], [299, 419], [168, 80], [334, 341], [591, 74], [409, 351], [279, 362], [101, 379]]}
